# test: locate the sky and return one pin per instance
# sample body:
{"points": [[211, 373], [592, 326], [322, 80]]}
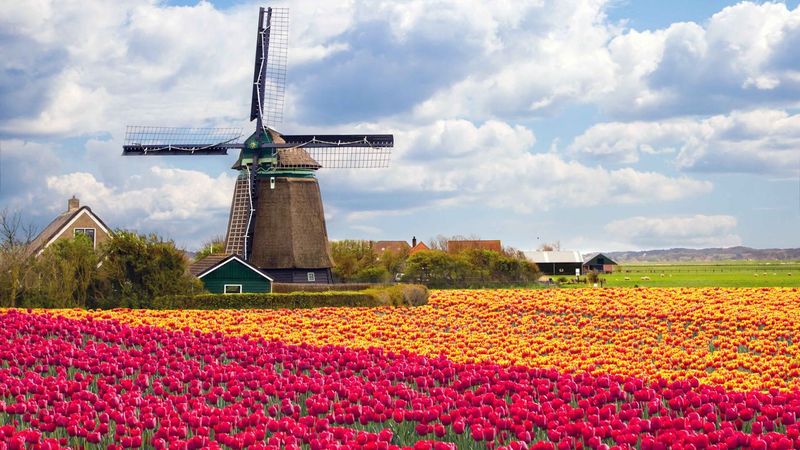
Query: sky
{"points": [[601, 124]]}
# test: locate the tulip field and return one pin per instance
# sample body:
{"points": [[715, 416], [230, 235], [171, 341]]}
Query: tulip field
{"points": [[494, 369]]}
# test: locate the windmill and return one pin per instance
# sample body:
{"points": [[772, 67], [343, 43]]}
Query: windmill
{"points": [[276, 220]]}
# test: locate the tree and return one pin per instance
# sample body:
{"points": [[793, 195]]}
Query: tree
{"points": [[210, 247], [550, 246], [16, 263], [12, 231], [393, 262], [351, 257], [437, 268], [470, 268], [67, 274], [440, 241], [372, 274], [137, 268]]}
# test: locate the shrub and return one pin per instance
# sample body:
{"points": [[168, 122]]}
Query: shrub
{"points": [[137, 268], [66, 275], [398, 295], [592, 277], [374, 274], [283, 288]]}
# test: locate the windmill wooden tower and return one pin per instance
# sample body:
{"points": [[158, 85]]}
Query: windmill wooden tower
{"points": [[276, 220]]}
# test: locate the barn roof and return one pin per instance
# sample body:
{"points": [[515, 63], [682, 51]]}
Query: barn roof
{"points": [[589, 257], [198, 267], [555, 257], [213, 262]]}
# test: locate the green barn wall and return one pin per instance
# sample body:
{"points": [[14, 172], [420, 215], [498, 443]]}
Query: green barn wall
{"points": [[235, 272]]}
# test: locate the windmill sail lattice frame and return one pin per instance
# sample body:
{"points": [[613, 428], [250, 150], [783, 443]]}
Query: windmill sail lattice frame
{"points": [[269, 78]]}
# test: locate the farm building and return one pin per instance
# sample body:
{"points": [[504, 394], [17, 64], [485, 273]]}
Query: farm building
{"points": [[598, 262], [557, 262], [229, 274], [397, 247], [76, 220], [463, 245]]}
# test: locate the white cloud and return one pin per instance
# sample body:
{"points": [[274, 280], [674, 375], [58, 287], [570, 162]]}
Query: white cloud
{"points": [[537, 57], [22, 165], [697, 231], [139, 61], [182, 202], [760, 141], [457, 163], [142, 62], [452, 79], [739, 57]]}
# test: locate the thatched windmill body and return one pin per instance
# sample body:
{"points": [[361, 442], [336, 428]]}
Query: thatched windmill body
{"points": [[276, 220]]}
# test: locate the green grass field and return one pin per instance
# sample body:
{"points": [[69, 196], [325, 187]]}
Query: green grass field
{"points": [[716, 274]]}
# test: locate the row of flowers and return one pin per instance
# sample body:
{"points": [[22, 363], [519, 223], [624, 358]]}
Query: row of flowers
{"points": [[739, 338], [66, 382]]}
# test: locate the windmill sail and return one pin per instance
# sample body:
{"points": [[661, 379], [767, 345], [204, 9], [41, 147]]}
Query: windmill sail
{"points": [[346, 151], [269, 77], [147, 140]]}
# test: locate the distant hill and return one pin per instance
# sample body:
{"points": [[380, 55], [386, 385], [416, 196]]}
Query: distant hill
{"points": [[706, 254]]}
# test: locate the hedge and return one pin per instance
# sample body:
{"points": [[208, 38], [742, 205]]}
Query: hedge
{"points": [[283, 288], [398, 295]]}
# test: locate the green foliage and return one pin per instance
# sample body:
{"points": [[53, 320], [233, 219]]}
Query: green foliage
{"points": [[373, 274], [357, 261], [592, 276], [285, 288], [471, 268], [16, 273], [437, 268], [399, 295], [66, 275], [215, 245], [16, 263], [393, 262], [128, 270], [137, 268], [351, 257]]}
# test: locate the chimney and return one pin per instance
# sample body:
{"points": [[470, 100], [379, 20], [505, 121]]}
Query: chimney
{"points": [[413, 241], [73, 204]]}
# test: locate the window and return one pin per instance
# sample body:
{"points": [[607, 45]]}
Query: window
{"points": [[233, 289], [311, 277], [87, 232]]}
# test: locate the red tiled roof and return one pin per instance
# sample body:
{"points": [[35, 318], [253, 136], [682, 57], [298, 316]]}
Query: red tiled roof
{"points": [[390, 246], [418, 248], [460, 246]]}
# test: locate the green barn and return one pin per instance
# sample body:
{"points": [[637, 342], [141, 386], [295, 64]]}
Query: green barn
{"points": [[229, 274]]}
